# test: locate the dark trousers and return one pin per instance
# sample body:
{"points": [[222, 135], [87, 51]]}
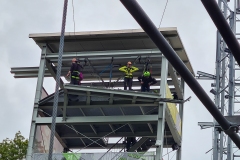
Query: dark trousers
{"points": [[145, 88], [74, 78], [127, 82]]}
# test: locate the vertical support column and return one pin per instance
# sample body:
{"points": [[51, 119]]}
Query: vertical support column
{"points": [[65, 105], [220, 83], [222, 105], [237, 5], [38, 95], [231, 85], [231, 103], [161, 110], [181, 107], [217, 96], [221, 47]]}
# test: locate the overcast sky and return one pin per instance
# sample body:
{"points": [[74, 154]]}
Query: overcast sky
{"points": [[20, 18]]}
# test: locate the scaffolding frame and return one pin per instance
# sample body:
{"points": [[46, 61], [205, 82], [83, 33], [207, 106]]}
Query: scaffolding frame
{"points": [[48, 64]]}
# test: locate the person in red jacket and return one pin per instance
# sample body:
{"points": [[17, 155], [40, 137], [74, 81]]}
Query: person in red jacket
{"points": [[146, 81]]}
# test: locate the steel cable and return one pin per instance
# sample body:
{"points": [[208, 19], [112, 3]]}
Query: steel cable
{"points": [[59, 68], [163, 13]]}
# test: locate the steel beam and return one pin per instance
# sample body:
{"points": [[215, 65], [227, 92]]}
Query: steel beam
{"points": [[109, 124], [98, 65], [223, 27], [149, 125], [93, 128], [78, 134], [38, 96], [99, 119], [65, 104], [104, 106], [217, 97], [70, 87], [181, 114], [119, 84], [175, 81], [138, 144], [117, 134], [108, 146], [53, 72], [96, 54], [148, 26], [121, 97], [231, 90], [221, 45], [130, 126], [110, 99], [161, 110], [32, 72], [110, 103], [88, 101], [84, 39]]}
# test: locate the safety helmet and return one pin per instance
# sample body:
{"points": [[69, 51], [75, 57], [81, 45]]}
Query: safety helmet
{"points": [[146, 74]]}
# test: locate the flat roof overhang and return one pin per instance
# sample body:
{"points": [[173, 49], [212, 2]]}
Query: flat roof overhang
{"points": [[111, 40]]}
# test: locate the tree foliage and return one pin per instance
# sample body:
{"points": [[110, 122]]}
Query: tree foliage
{"points": [[15, 149]]}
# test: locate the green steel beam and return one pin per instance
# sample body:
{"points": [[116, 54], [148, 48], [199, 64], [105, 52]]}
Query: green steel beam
{"points": [[103, 106], [99, 119], [117, 134], [70, 87]]}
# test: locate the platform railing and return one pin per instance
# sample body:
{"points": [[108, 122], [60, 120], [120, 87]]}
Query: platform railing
{"points": [[97, 156]]}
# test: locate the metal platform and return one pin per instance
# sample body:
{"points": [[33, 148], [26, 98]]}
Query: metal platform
{"points": [[98, 113]]}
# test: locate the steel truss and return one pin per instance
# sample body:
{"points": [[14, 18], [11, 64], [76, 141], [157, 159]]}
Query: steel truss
{"points": [[226, 85], [159, 118]]}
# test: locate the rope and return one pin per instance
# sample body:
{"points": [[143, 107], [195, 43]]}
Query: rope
{"points": [[101, 138], [73, 18], [59, 68], [167, 153], [85, 136], [163, 13], [111, 148], [173, 155]]}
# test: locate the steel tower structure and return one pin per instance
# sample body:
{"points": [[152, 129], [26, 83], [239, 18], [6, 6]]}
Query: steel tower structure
{"points": [[226, 85], [91, 114]]}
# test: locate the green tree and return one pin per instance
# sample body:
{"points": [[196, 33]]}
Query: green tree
{"points": [[15, 149]]}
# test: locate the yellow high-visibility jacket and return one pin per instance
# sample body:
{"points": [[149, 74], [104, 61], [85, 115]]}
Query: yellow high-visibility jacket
{"points": [[128, 71]]}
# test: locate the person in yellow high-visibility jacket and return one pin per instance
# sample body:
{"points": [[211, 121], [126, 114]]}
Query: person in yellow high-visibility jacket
{"points": [[128, 70]]}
